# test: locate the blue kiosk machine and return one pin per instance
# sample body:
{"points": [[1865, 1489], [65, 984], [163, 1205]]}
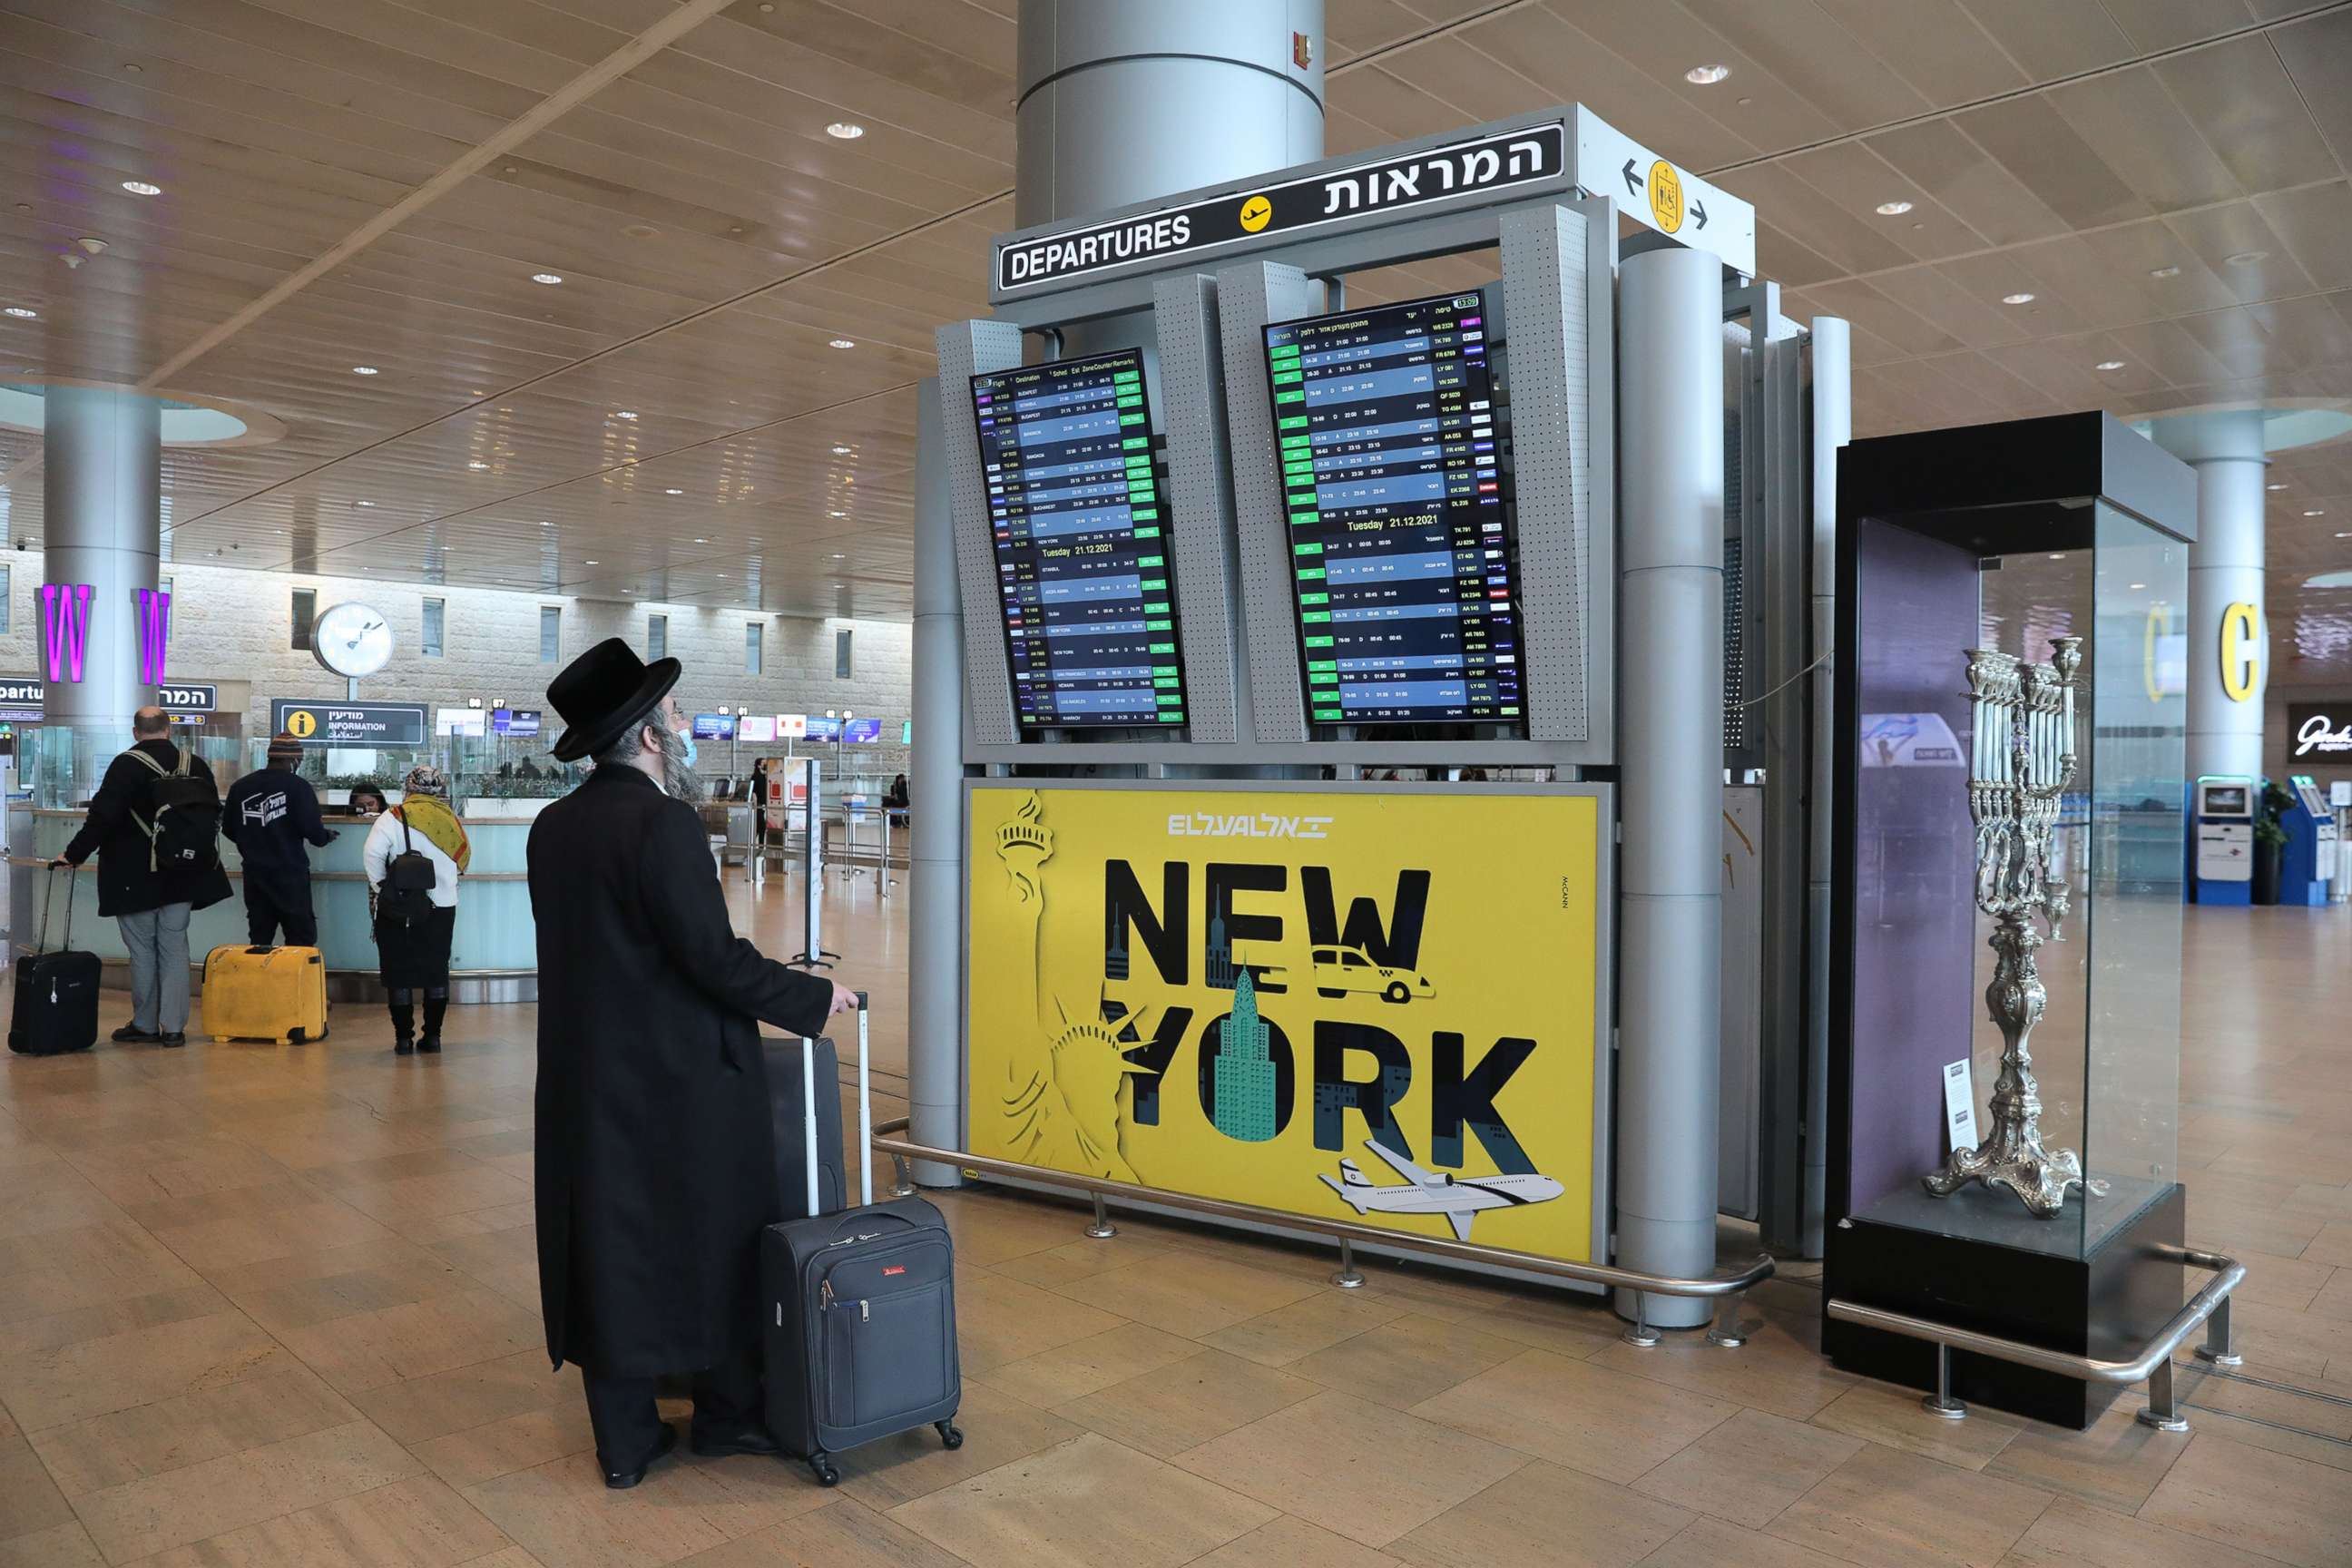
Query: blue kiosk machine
{"points": [[2221, 860], [2310, 825]]}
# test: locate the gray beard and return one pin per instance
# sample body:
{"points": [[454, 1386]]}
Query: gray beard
{"points": [[681, 781]]}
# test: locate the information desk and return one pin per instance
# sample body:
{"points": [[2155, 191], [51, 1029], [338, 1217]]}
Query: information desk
{"points": [[493, 958]]}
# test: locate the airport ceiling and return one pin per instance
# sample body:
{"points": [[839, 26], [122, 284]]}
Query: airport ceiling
{"points": [[2140, 204]]}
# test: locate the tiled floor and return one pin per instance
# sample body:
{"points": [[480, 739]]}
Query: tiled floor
{"points": [[265, 1307]]}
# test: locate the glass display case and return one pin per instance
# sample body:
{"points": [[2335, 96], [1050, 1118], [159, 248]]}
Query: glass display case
{"points": [[2006, 949]]}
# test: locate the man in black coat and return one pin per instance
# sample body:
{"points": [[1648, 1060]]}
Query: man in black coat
{"points": [[269, 814], [152, 906], [654, 1157]]}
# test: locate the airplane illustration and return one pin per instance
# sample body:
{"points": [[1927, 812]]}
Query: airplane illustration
{"points": [[1458, 1198]]}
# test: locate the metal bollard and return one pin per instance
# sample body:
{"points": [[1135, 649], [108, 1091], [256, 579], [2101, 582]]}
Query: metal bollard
{"points": [[1102, 1229], [2163, 1411], [1347, 1278], [1941, 1401]]}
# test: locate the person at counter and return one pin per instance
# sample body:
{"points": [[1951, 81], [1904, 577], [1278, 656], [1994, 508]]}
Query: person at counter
{"points": [[420, 849], [366, 800], [154, 825], [269, 814], [653, 1155], [894, 801]]}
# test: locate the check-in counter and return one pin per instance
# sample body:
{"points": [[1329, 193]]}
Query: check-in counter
{"points": [[494, 957]]}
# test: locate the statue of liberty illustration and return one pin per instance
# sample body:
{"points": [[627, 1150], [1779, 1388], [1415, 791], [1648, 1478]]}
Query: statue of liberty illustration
{"points": [[1065, 1115]]}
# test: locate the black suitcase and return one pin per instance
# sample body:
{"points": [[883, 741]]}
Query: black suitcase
{"points": [[56, 993], [787, 1097], [861, 1335]]}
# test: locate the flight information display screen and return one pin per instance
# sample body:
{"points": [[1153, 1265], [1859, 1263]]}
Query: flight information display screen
{"points": [[1081, 544], [1403, 559]]}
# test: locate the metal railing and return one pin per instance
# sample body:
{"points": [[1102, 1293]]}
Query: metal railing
{"points": [[2153, 1366], [1723, 1288]]}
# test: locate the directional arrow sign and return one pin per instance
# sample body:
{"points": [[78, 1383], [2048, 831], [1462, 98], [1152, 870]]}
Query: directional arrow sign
{"points": [[1666, 197]]}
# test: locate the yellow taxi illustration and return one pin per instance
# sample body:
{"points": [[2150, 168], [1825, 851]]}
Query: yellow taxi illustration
{"points": [[1339, 970]]}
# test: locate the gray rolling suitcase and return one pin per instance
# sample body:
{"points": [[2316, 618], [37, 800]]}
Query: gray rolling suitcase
{"points": [[860, 1331]]}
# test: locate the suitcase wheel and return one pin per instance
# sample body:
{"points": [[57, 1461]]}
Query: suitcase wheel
{"points": [[294, 1035], [822, 1466], [951, 1435]]}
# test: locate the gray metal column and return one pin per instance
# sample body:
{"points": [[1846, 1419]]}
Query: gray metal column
{"points": [[1670, 725], [2226, 567], [1121, 101], [102, 498], [1832, 429], [935, 827]]}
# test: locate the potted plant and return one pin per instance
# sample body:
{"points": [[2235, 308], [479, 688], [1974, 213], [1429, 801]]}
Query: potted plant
{"points": [[2270, 844]]}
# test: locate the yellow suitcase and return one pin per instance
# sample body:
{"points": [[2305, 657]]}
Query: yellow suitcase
{"points": [[275, 994]]}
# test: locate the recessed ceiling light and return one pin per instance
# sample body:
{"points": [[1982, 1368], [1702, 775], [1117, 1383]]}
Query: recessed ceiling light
{"points": [[549, 278], [673, 492], [2317, 512], [1705, 76], [844, 131], [722, 573], [702, 541], [2111, 364], [142, 188], [22, 314], [836, 514], [2280, 486], [364, 370], [2017, 299], [2344, 533], [838, 556], [363, 504], [842, 343], [2056, 555], [837, 451], [1892, 210], [2164, 272], [477, 464], [2247, 258], [2136, 586], [544, 523], [626, 413]]}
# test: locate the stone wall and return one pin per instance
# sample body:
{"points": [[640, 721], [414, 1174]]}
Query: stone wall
{"points": [[229, 624]]}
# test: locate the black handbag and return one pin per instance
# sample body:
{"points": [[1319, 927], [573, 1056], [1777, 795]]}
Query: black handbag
{"points": [[408, 882]]}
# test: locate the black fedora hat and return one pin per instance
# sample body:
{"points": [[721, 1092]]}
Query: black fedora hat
{"points": [[603, 693]]}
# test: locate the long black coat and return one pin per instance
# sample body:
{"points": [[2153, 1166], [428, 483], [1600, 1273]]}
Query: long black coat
{"points": [[656, 1162], [127, 882]]}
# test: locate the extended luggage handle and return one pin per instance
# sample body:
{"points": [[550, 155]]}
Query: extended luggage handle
{"points": [[864, 1118], [48, 896]]}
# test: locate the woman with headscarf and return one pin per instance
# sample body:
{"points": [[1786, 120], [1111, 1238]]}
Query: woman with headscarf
{"points": [[413, 945]]}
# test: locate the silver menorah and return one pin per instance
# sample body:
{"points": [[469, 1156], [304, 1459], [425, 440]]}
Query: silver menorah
{"points": [[2022, 762]]}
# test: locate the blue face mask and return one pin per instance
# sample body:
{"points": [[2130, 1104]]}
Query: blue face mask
{"points": [[689, 736]]}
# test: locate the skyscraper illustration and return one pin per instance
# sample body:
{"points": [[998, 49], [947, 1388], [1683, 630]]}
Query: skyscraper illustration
{"points": [[1115, 958], [1244, 1072], [1217, 965]]}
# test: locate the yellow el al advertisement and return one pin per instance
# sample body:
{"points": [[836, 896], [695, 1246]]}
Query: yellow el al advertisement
{"points": [[1348, 1005]]}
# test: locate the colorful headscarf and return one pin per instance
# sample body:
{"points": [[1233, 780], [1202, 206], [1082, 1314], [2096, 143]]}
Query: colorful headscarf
{"points": [[426, 809]]}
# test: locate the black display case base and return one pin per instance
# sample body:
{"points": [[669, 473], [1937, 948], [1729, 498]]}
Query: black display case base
{"points": [[1976, 1260]]}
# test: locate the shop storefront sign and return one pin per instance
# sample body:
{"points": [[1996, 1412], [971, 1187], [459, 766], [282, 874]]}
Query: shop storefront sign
{"points": [[328, 722], [1336, 1004], [65, 628], [2241, 651], [2321, 734]]}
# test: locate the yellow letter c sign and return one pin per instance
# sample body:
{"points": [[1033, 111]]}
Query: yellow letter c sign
{"points": [[2242, 657]]}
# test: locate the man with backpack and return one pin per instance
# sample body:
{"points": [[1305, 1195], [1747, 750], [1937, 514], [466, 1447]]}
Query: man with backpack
{"points": [[154, 825], [269, 814]]}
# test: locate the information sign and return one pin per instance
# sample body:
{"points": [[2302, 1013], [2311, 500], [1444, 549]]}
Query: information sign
{"points": [[792, 726], [461, 724], [1080, 540], [758, 728], [863, 732], [520, 722], [334, 723], [713, 727], [1403, 555]]}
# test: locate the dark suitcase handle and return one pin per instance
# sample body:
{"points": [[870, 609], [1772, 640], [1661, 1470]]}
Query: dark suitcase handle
{"points": [[48, 896]]}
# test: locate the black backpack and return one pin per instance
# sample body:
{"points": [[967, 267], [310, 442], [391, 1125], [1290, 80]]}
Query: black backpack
{"points": [[406, 895], [183, 827]]}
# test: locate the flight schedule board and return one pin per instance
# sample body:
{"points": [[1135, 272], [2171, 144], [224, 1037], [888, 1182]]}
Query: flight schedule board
{"points": [[1081, 544], [1402, 558]]}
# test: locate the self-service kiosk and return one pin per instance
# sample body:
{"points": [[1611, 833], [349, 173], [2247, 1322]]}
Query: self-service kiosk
{"points": [[2310, 825], [2224, 870]]}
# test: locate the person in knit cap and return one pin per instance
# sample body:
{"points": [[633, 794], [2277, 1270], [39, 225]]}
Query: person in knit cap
{"points": [[269, 814]]}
